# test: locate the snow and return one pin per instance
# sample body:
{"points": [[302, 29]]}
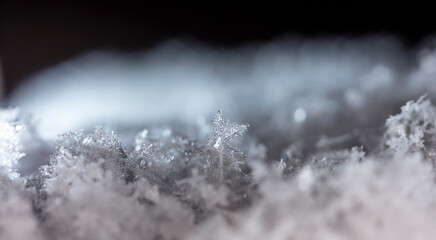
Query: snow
{"points": [[335, 157]]}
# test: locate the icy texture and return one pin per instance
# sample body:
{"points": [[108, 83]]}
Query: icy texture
{"points": [[17, 220], [164, 185], [10, 146], [407, 130], [160, 149], [94, 204], [327, 159]]}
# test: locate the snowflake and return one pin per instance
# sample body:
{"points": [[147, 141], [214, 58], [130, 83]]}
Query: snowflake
{"points": [[224, 133], [224, 157]]}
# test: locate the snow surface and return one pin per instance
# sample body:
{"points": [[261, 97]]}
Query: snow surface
{"points": [[317, 145]]}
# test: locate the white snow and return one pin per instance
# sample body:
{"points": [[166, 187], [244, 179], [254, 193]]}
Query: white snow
{"points": [[324, 150]]}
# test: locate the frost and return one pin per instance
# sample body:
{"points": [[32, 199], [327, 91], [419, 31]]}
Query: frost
{"points": [[164, 185], [94, 147], [407, 130], [82, 188], [161, 156], [334, 159], [17, 220], [10, 146], [160, 148], [317, 163], [292, 159]]}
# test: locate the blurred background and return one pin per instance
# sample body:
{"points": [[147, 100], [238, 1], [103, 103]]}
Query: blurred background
{"points": [[35, 35]]}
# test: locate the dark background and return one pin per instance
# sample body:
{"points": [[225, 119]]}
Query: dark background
{"points": [[38, 34]]}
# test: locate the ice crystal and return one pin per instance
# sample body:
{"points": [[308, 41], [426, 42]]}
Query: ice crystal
{"points": [[96, 147], [75, 184], [161, 156], [224, 156], [165, 186], [334, 159], [17, 220], [407, 130], [10, 145], [317, 164], [292, 159], [159, 148], [224, 133]]}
